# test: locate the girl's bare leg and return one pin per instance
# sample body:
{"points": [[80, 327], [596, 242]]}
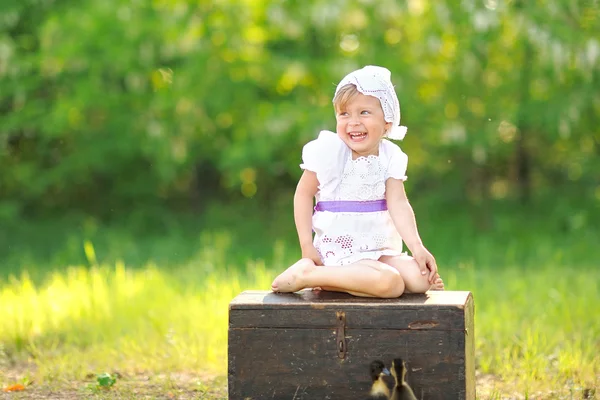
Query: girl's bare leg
{"points": [[408, 268], [366, 278]]}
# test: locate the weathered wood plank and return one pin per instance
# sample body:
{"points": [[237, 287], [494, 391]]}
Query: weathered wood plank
{"points": [[375, 318], [303, 364], [269, 300], [470, 348]]}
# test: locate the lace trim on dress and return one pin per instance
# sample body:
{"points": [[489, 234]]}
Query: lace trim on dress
{"points": [[363, 179]]}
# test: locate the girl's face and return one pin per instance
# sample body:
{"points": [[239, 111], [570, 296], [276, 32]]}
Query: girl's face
{"points": [[361, 125]]}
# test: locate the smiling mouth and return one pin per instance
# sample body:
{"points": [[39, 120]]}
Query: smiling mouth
{"points": [[357, 136]]}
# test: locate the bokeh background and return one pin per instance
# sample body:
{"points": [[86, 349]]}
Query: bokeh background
{"points": [[117, 110], [154, 132]]}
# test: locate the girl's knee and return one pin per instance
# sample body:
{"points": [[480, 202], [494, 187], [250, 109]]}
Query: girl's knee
{"points": [[390, 284], [417, 283], [414, 280], [420, 286]]}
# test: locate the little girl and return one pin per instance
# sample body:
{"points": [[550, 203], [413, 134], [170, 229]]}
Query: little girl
{"points": [[362, 214]]}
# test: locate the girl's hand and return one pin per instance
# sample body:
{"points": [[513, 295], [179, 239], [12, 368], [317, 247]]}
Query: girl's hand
{"points": [[426, 262], [309, 251]]}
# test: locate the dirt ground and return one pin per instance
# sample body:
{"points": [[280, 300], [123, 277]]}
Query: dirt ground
{"points": [[180, 386], [183, 386]]}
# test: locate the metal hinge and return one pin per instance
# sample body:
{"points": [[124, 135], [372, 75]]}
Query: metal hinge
{"points": [[341, 334]]}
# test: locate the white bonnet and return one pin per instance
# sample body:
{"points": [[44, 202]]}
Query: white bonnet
{"points": [[376, 81]]}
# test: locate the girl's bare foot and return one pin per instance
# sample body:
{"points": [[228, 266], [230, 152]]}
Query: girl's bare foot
{"points": [[292, 279], [438, 283]]}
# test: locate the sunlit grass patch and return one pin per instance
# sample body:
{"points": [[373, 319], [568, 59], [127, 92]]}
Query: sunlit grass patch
{"points": [[537, 327], [110, 317]]}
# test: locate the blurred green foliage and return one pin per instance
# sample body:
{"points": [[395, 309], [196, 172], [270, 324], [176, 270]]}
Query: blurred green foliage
{"points": [[113, 104]]}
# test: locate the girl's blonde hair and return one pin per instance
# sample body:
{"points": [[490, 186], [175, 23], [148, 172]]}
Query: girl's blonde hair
{"points": [[344, 96]]}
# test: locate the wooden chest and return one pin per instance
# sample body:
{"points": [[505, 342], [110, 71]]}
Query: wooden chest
{"points": [[318, 345]]}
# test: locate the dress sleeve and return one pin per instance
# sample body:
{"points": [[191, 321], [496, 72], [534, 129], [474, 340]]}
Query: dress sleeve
{"points": [[397, 162], [319, 154], [312, 156], [324, 156]]}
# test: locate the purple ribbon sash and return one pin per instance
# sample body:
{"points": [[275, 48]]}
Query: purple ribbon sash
{"points": [[352, 206]]}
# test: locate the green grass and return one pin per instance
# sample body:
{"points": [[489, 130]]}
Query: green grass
{"points": [[162, 327], [536, 328]]}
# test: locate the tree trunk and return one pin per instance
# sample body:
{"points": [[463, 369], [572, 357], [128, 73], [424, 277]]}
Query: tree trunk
{"points": [[523, 158]]}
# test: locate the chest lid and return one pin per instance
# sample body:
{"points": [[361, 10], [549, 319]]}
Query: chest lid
{"points": [[434, 310]]}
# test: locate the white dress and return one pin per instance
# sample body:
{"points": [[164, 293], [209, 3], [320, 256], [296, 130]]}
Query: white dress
{"points": [[343, 238]]}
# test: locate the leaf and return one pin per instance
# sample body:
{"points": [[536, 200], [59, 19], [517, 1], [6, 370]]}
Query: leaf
{"points": [[105, 380], [14, 388]]}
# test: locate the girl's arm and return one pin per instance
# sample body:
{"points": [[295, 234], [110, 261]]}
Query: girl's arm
{"points": [[404, 220], [303, 210]]}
